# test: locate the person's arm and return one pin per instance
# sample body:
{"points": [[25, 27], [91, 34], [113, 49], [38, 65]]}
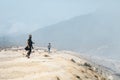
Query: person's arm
{"points": [[33, 42], [32, 45]]}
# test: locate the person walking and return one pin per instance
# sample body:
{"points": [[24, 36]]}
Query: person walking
{"points": [[49, 47], [29, 46]]}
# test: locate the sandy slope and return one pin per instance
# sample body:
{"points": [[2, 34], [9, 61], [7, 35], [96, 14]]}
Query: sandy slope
{"points": [[57, 65]]}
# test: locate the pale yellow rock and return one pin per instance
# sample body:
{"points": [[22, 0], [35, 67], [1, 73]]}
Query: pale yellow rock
{"points": [[43, 66]]}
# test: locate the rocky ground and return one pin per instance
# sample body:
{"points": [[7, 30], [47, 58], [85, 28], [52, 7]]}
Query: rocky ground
{"points": [[57, 65]]}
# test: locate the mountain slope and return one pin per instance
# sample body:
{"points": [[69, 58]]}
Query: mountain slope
{"points": [[91, 33]]}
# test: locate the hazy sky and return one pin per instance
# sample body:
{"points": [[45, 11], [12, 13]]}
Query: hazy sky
{"points": [[24, 16]]}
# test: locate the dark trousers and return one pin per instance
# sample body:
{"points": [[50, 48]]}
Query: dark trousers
{"points": [[49, 50], [29, 52]]}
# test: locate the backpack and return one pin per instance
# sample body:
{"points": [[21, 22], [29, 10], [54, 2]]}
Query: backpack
{"points": [[26, 48]]}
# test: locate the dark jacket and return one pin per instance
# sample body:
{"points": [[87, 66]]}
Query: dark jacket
{"points": [[30, 43]]}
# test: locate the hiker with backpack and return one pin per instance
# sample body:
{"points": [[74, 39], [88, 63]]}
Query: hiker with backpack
{"points": [[29, 46]]}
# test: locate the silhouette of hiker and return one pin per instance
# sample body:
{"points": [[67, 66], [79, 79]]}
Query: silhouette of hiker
{"points": [[49, 47], [29, 46]]}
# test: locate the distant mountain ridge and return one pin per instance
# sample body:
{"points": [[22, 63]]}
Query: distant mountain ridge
{"points": [[83, 33], [95, 33]]}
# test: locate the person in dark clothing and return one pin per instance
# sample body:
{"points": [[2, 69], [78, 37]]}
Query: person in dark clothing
{"points": [[29, 46], [49, 47]]}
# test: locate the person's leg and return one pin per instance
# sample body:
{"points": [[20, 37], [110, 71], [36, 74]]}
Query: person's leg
{"points": [[49, 50], [28, 54]]}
